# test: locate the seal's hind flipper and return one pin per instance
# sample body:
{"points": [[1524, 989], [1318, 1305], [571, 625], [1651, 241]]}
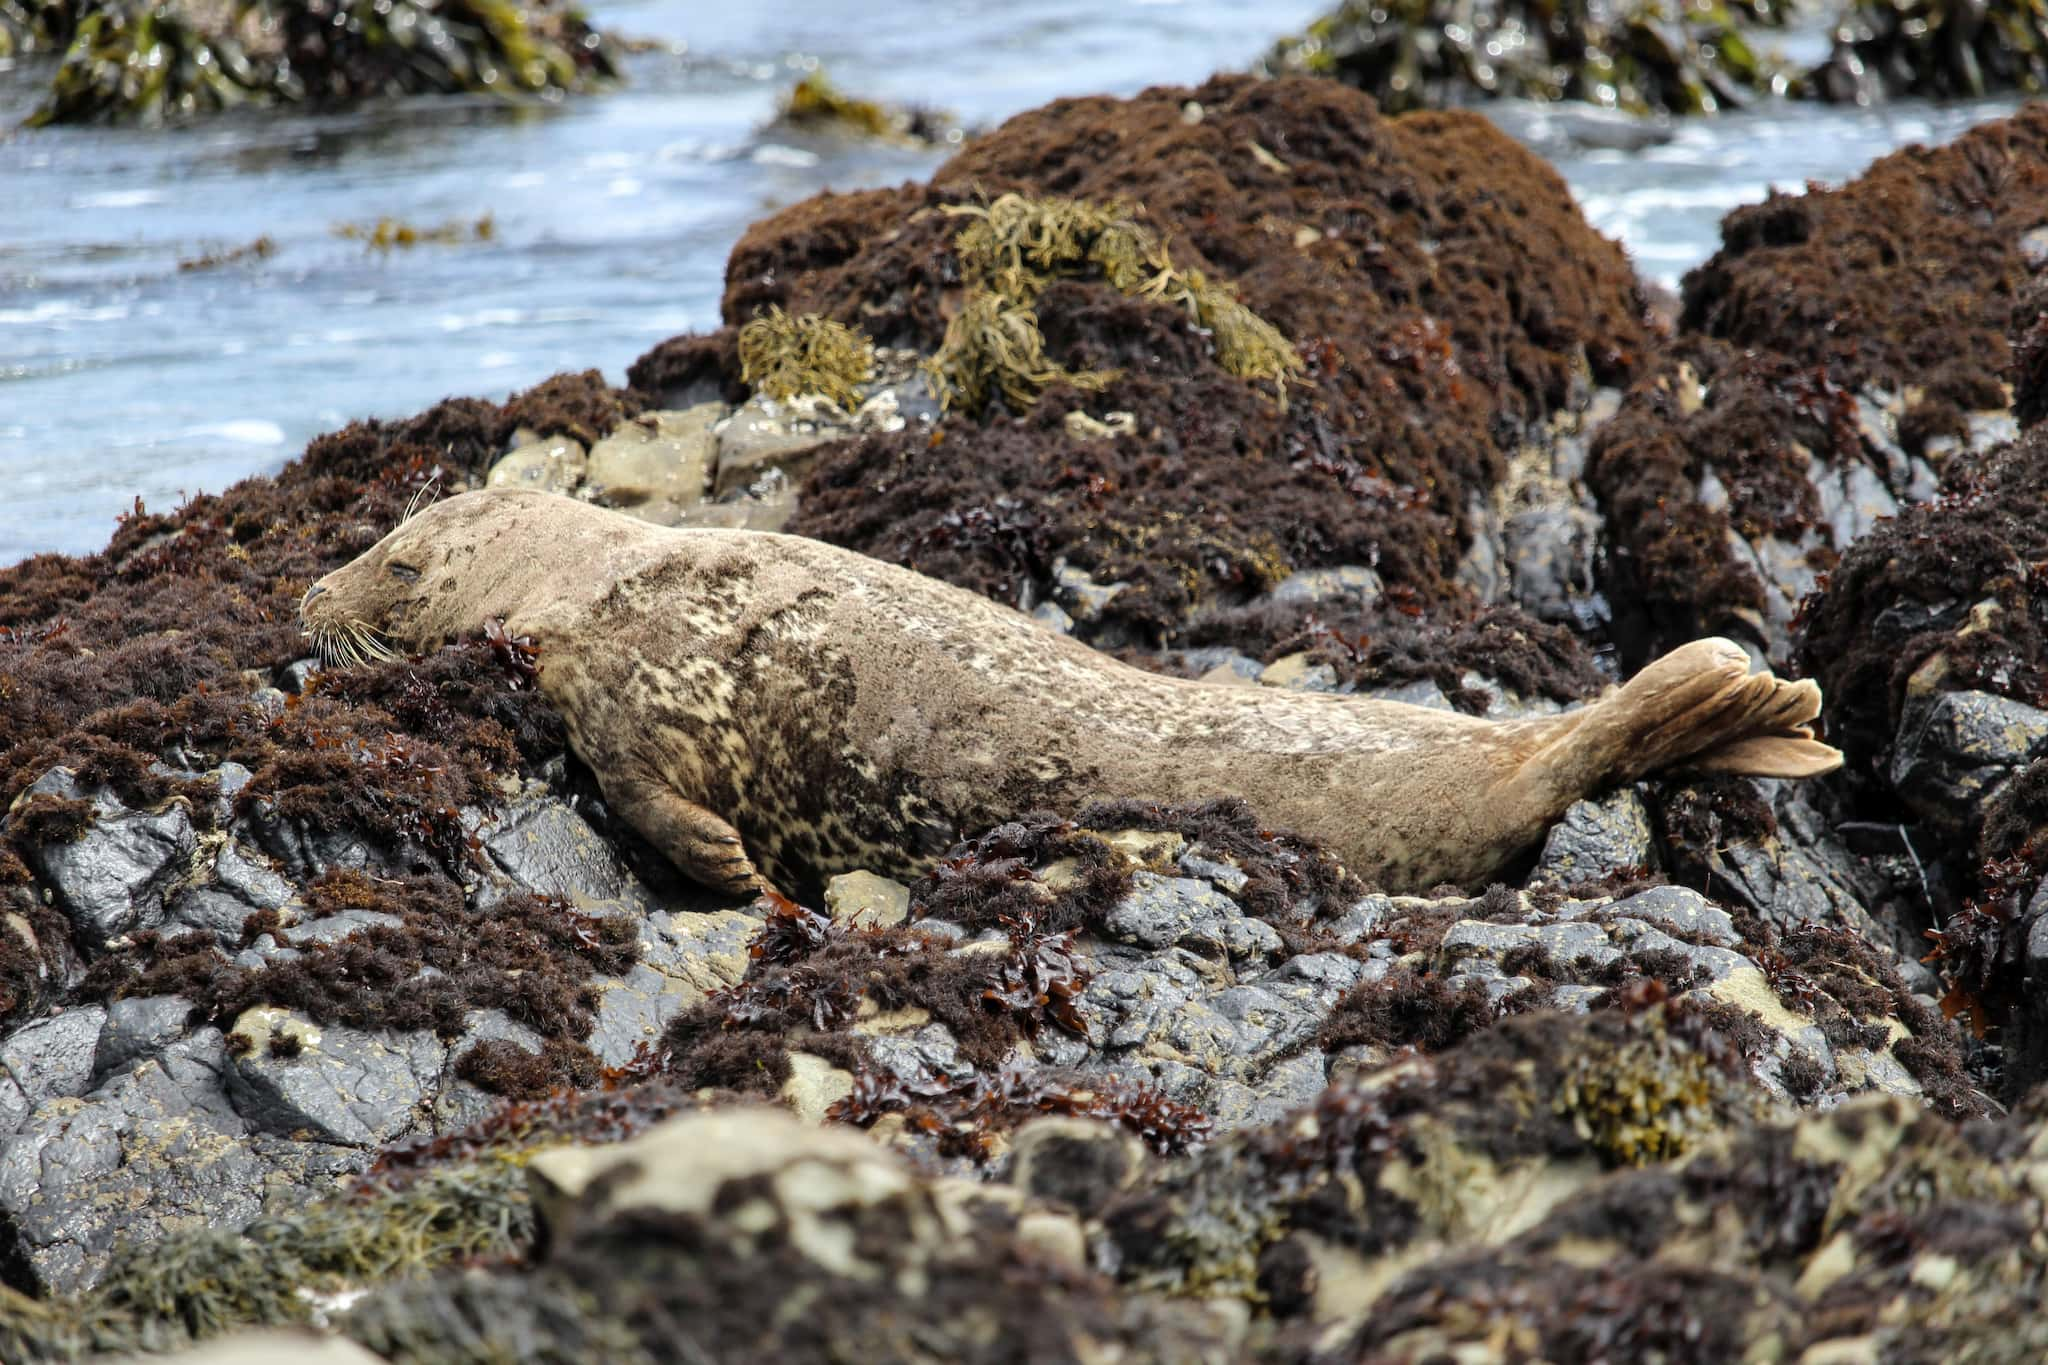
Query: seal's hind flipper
{"points": [[1770, 756], [1700, 706]]}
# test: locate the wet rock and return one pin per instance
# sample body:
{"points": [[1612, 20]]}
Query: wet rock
{"points": [[229, 882], [1343, 583], [54, 1056], [157, 1146], [329, 1083], [684, 956], [1166, 912], [1552, 555], [553, 464], [539, 842], [138, 1027], [1955, 748], [864, 900], [113, 878], [1679, 911], [656, 466], [1597, 839]]}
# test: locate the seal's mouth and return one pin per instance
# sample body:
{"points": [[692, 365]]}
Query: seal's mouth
{"points": [[344, 643]]}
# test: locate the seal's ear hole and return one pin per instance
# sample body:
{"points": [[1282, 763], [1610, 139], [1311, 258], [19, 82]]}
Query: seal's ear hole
{"points": [[404, 573]]}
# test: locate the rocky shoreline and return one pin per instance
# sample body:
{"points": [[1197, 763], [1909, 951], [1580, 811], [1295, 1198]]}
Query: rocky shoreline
{"points": [[337, 999]]}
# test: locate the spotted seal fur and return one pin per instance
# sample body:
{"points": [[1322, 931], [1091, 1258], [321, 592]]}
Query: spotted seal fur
{"points": [[772, 710]]}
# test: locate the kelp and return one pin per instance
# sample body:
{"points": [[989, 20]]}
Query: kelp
{"points": [[815, 104], [1016, 245], [1672, 56], [783, 356], [1940, 49], [153, 62]]}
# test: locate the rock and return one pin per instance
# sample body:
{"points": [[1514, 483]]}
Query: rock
{"points": [[332, 1083], [1553, 553], [230, 882], [541, 843], [684, 956], [1597, 839], [1082, 427], [1954, 749], [54, 1057], [814, 1086], [767, 433], [1296, 673], [1080, 594], [1346, 583], [657, 465], [1163, 912], [1081, 1163], [112, 879], [865, 900], [156, 1146], [138, 1027], [552, 464], [1676, 910]]}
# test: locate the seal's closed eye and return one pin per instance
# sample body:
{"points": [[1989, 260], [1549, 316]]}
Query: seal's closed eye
{"points": [[404, 573]]}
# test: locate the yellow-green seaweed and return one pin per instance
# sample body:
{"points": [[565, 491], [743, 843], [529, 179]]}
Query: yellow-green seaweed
{"points": [[783, 357]]}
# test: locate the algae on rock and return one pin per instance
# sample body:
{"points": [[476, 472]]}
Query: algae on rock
{"points": [[154, 61], [1014, 246], [784, 357]]}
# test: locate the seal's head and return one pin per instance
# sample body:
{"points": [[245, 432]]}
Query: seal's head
{"points": [[444, 571]]}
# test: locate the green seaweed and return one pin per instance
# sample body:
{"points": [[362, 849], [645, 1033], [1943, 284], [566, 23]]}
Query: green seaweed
{"points": [[164, 1294], [158, 61], [1675, 56], [1015, 245], [783, 357]]}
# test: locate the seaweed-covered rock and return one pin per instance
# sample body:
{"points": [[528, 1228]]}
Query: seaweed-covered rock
{"points": [[1395, 283], [1643, 57], [144, 61], [1935, 48], [1906, 276]]}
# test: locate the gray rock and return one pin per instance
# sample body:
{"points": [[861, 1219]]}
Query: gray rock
{"points": [[684, 956], [1164, 912], [1552, 554], [1597, 839], [1361, 921], [344, 1085], [139, 1027], [54, 1057], [156, 1147], [541, 844], [1227, 877], [112, 880], [1220, 663], [1954, 748], [1298, 673], [233, 884], [1082, 1163], [1347, 583], [1683, 913], [459, 1103], [1570, 943]]}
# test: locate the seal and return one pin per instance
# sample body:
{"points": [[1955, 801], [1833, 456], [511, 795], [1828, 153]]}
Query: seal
{"points": [[769, 710]]}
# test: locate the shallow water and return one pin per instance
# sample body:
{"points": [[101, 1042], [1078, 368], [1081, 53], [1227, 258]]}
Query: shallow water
{"points": [[123, 376]]}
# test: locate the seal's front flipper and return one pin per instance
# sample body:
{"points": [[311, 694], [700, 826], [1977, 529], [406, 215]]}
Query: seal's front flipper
{"points": [[701, 844]]}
